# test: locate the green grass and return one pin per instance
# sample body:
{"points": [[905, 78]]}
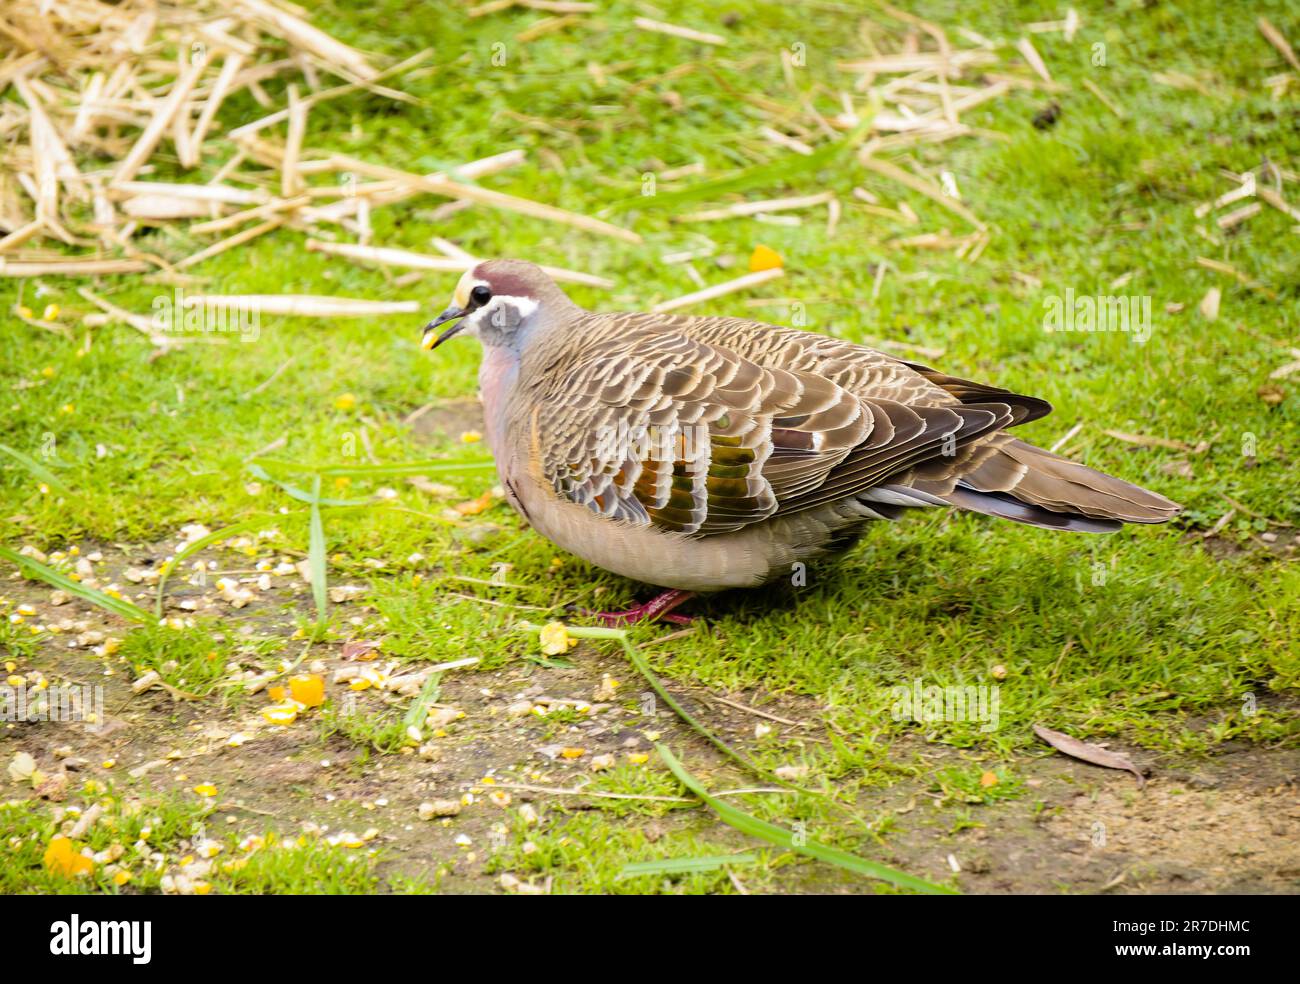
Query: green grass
{"points": [[192, 659], [159, 837], [383, 733], [586, 854], [1147, 635]]}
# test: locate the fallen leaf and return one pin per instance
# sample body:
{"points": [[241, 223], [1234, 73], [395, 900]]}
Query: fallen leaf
{"points": [[359, 649], [1088, 752]]}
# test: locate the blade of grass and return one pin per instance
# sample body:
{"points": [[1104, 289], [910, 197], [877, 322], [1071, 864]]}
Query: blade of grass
{"points": [[420, 708], [38, 471], [676, 866], [637, 660], [316, 557], [302, 496], [225, 533], [643, 667], [33, 567], [773, 834]]}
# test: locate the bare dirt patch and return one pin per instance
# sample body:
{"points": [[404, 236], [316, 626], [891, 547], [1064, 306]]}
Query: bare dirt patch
{"points": [[1228, 823]]}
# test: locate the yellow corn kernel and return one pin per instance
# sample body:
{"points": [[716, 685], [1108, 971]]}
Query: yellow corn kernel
{"points": [[555, 639], [62, 858], [281, 714], [765, 258], [308, 689]]}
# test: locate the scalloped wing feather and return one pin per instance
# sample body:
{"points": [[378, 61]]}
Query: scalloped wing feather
{"points": [[657, 427]]}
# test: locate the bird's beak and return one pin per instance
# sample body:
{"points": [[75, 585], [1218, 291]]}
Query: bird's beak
{"points": [[431, 339]]}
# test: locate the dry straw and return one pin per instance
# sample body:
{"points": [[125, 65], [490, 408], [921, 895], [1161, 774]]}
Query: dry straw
{"points": [[143, 82]]}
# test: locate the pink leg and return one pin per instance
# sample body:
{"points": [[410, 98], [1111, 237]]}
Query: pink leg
{"points": [[658, 607]]}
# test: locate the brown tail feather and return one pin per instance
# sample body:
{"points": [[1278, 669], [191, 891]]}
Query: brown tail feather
{"points": [[1026, 484], [1008, 507]]}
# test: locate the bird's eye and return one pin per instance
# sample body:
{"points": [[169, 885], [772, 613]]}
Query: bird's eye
{"points": [[480, 295]]}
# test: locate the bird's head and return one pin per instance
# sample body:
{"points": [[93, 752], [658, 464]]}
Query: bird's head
{"points": [[498, 302]]}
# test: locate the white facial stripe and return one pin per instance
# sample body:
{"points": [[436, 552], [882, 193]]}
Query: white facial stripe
{"points": [[509, 311], [523, 306]]}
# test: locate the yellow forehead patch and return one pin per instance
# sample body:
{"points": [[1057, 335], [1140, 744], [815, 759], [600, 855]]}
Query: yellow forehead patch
{"points": [[461, 296]]}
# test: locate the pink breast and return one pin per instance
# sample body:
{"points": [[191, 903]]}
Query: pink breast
{"points": [[495, 377]]}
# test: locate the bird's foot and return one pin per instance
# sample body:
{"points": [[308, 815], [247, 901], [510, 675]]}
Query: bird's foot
{"points": [[659, 607]]}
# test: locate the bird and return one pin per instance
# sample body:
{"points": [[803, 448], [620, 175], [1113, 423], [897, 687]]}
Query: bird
{"points": [[699, 454]]}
